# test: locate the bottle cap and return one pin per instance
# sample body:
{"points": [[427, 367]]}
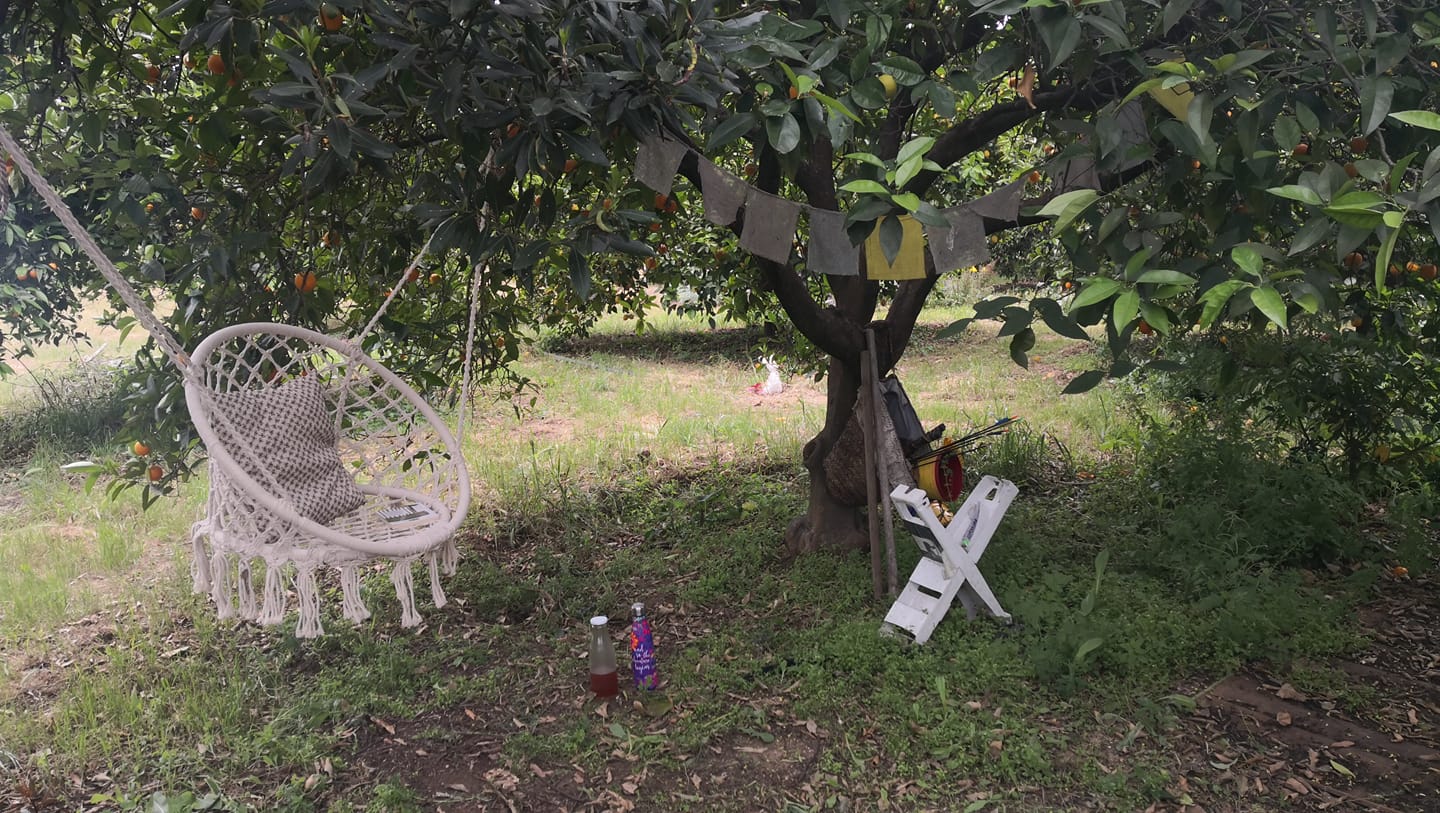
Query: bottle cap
{"points": [[639, 608], [599, 621]]}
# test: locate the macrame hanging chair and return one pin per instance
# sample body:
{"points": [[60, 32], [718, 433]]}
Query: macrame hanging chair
{"points": [[320, 458]]}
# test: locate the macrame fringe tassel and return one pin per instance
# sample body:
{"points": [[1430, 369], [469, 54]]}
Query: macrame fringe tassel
{"points": [[449, 557], [351, 605], [199, 563], [309, 624], [272, 612], [220, 589], [437, 594], [245, 587], [404, 582]]}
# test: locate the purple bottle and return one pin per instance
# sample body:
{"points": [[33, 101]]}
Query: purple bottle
{"points": [[642, 651]]}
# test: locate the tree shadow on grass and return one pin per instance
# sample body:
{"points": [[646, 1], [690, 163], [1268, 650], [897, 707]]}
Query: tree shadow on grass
{"points": [[733, 345]]}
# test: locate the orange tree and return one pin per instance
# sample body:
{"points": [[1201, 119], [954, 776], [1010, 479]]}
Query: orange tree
{"points": [[222, 149]]}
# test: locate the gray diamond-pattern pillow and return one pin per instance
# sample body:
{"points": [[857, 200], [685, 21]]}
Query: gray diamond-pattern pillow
{"points": [[288, 432]]}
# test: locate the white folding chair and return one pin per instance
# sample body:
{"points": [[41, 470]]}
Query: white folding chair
{"points": [[948, 566]]}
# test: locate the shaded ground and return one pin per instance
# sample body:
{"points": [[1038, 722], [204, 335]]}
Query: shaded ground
{"points": [[1356, 734]]}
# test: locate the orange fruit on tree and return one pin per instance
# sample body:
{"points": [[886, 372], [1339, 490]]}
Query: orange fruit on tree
{"points": [[155, 473], [512, 131], [1359, 144], [1428, 271], [1145, 328], [1358, 322], [330, 17], [662, 249], [305, 281], [671, 207], [331, 239], [215, 64], [1301, 149], [435, 279], [1351, 170], [1354, 260], [651, 263], [654, 227], [1034, 176], [607, 204], [149, 208], [571, 165], [794, 92], [152, 73], [139, 448], [1400, 571], [661, 201], [1195, 165], [197, 213]]}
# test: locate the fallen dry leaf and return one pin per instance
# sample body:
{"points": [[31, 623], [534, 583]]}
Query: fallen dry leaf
{"points": [[502, 779], [1297, 785], [389, 729], [1026, 86], [1283, 717], [1343, 744], [1288, 692]]}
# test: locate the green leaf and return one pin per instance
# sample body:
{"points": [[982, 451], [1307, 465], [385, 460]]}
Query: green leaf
{"points": [[892, 235], [1020, 346], [865, 157], [914, 147], [1248, 259], [905, 70], [1418, 118], [1061, 37], [1156, 316], [907, 201], [866, 186], [1270, 303], [1163, 276], [1084, 382], [1097, 289], [907, 170], [729, 130], [1382, 258], [1215, 300], [1065, 208], [835, 105], [1085, 648], [784, 133], [1055, 319], [1126, 306], [1376, 95], [1304, 194]]}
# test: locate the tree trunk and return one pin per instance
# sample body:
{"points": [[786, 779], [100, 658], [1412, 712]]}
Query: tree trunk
{"points": [[829, 523]]}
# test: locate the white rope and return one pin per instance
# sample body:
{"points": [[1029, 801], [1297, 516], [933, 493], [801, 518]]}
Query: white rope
{"points": [[199, 557], [395, 289], [308, 626], [131, 297], [220, 589], [272, 611], [245, 589], [404, 582], [352, 606], [437, 593]]}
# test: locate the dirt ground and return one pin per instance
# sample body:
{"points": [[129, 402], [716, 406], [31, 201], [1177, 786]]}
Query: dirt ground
{"points": [[1253, 743]]}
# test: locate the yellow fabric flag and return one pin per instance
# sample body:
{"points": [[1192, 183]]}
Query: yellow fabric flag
{"points": [[1175, 99], [909, 262]]}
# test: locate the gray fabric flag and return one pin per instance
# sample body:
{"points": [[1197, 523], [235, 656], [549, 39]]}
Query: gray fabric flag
{"points": [[1133, 132], [657, 161], [722, 192], [961, 245], [1002, 204], [1077, 173], [830, 250], [770, 223]]}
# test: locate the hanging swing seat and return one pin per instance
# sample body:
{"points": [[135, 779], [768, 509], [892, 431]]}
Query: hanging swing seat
{"points": [[320, 457]]}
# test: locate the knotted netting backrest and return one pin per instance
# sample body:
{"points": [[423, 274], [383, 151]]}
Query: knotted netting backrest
{"points": [[271, 401]]}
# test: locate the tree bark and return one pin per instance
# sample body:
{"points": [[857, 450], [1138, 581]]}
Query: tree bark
{"points": [[829, 523]]}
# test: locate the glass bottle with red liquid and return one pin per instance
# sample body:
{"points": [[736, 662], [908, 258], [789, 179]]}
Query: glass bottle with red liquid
{"points": [[604, 676]]}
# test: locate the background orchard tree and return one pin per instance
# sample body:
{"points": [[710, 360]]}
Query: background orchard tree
{"points": [[221, 149]]}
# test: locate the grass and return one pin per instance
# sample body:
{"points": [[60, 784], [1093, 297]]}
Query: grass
{"points": [[646, 470]]}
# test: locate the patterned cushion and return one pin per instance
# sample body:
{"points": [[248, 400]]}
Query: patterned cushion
{"points": [[292, 442]]}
